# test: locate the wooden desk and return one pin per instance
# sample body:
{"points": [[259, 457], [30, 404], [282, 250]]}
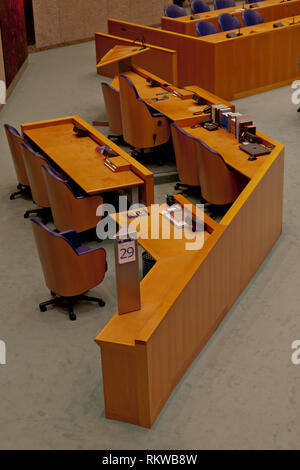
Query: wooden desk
{"points": [[252, 57], [157, 60], [226, 145], [78, 158], [174, 108], [185, 297], [232, 68], [270, 10]]}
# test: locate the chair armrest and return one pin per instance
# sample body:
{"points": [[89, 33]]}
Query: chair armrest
{"points": [[72, 237]]}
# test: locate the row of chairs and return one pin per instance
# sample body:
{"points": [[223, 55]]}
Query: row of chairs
{"points": [[228, 22], [200, 166], [199, 6], [129, 116], [69, 268]]}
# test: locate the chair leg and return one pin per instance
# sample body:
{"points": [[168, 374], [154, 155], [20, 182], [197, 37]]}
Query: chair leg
{"points": [[181, 185], [92, 299], [23, 191], [43, 306], [72, 315], [44, 212], [116, 138]]}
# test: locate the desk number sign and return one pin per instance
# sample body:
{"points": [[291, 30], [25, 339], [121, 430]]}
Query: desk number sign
{"points": [[126, 251]]}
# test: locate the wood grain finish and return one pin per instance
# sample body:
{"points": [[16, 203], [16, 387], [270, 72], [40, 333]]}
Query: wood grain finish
{"points": [[79, 159], [217, 57], [15, 146], [270, 10], [146, 353], [158, 60], [113, 108]]}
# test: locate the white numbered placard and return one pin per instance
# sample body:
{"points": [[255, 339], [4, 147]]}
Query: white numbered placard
{"points": [[126, 251]]}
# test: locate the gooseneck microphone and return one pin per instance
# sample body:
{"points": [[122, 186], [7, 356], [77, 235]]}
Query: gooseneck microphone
{"points": [[138, 38]]}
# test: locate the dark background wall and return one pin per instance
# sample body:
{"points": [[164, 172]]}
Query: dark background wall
{"points": [[14, 40]]}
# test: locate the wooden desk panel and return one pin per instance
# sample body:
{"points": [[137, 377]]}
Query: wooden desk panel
{"points": [[78, 157], [158, 60], [270, 10]]}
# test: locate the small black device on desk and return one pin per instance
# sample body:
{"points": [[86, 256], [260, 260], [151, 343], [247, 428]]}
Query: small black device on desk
{"points": [[161, 98], [278, 25], [153, 83], [253, 5], [194, 17], [254, 150], [199, 100], [80, 131]]}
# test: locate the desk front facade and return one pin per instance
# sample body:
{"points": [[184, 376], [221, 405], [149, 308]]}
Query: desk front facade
{"points": [[270, 10], [230, 68]]}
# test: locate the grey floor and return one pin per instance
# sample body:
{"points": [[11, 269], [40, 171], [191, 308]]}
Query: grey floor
{"points": [[241, 392]]}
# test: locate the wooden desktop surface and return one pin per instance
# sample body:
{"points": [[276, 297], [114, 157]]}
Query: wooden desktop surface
{"points": [[228, 146], [174, 108], [78, 157], [270, 10]]}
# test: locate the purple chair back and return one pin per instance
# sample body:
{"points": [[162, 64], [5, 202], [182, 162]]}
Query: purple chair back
{"points": [[252, 17], [220, 4], [198, 6], [174, 11], [204, 28], [228, 22]]}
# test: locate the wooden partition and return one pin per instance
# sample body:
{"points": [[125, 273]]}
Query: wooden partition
{"points": [[185, 296], [157, 60], [190, 50], [229, 67]]}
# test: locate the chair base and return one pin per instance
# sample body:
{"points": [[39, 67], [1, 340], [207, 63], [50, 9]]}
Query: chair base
{"points": [[23, 191], [70, 300], [44, 212]]}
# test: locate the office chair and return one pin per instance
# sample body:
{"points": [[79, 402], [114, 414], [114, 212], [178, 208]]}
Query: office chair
{"points": [[228, 22], [252, 17], [143, 126], [71, 207], [33, 164], [204, 28], [186, 160], [174, 11], [220, 4], [254, 1], [219, 183], [113, 109], [198, 6], [69, 269], [14, 141]]}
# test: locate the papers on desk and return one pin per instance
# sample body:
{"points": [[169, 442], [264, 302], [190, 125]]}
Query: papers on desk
{"points": [[175, 215]]}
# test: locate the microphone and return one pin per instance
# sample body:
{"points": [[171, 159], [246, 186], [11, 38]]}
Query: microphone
{"points": [[239, 32], [138, 38]]}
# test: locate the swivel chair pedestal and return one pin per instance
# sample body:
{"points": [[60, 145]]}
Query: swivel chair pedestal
{"points": [[23, 191], [70, 300]]}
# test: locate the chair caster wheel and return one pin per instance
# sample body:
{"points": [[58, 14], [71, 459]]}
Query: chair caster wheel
{"points": [[176, 187], [72, 316], [101, 303], [19, 187], [11, 197], [43, 308], [134, 154], [52, 293], [26, 216]]}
